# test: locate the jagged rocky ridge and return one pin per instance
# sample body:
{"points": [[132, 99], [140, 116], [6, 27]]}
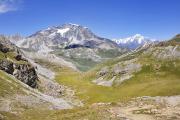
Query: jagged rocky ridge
{"points": [[13, 62]]}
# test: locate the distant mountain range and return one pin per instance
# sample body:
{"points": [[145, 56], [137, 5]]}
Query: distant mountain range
{"points": [[133, 42], [74, 36]]}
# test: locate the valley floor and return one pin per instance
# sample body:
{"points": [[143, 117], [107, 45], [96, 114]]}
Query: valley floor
{"points": [[151, 94]]}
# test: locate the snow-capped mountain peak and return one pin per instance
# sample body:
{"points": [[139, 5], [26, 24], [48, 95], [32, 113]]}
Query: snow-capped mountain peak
{"points": [[134, 41], [137, 37], [65, 36]]}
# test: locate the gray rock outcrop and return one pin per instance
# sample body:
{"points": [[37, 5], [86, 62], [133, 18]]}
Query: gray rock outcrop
{"points": [[15, 64]]}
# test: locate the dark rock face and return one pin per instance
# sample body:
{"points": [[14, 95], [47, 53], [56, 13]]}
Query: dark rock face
{"points": [[26, 74], [23, 72]]}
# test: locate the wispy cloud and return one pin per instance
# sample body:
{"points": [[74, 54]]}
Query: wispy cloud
{"points": [[9, 5]]}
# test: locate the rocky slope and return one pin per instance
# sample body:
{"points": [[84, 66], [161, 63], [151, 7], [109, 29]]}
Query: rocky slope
{"points": [[13, 62], [25, 84], [130, 64]]}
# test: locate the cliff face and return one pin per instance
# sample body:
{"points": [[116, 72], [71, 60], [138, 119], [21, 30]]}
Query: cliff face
{"points": [[12, 62]]}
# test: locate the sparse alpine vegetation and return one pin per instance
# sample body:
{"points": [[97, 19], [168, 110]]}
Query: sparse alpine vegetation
{"points": [[74, 74]]}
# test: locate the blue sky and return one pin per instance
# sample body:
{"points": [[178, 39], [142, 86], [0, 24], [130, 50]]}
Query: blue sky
{"points": [[158, 19]]}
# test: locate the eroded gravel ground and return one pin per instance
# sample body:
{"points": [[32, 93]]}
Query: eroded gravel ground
{"points": [[148, 108]]}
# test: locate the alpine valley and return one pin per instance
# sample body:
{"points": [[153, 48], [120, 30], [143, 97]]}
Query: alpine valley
{"points": [[67, 72]]}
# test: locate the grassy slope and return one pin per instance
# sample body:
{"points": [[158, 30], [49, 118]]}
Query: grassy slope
{"points": [[9, 87], [146, 82]]}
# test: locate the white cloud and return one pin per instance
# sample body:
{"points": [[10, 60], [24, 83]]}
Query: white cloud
{"points": [[8, 5]]}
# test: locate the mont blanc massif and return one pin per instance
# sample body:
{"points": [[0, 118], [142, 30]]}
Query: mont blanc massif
{"points": [[67, 72]]}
